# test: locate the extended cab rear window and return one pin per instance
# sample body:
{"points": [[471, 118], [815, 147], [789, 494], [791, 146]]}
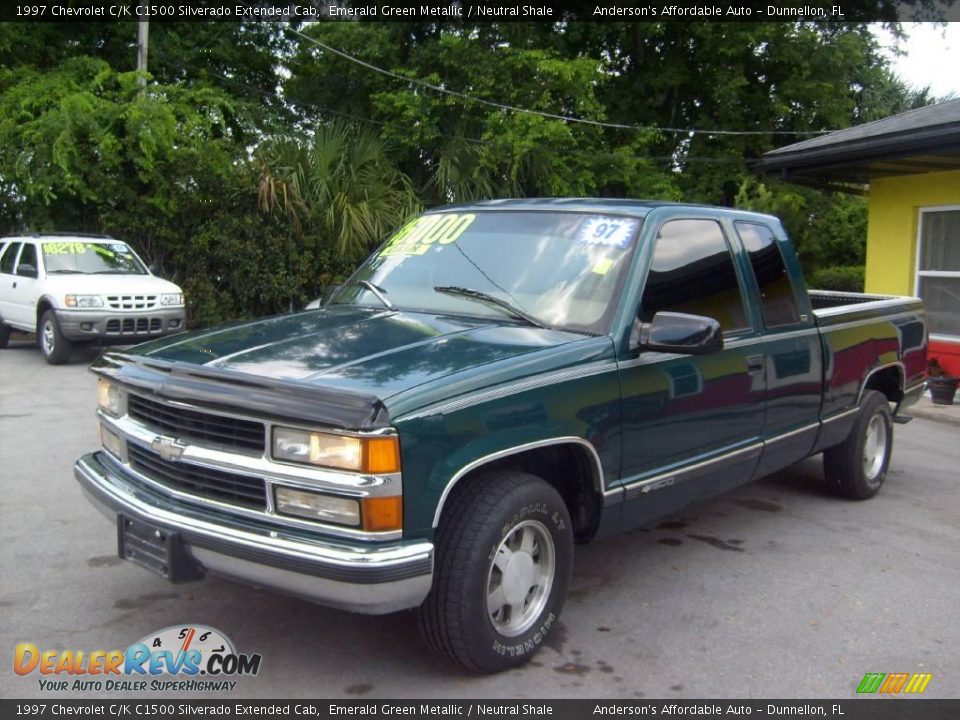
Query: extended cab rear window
{"points": [[777, 297]]}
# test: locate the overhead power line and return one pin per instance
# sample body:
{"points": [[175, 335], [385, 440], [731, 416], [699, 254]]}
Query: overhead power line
{"points": [[541, 113], [668, 159]]}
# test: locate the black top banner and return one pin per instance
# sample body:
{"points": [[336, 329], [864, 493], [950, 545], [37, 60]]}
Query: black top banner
{"points": [[477, 11]]}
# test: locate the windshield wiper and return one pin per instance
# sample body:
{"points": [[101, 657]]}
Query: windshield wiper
{"points": [[483, 297], [65, 272], [378, 292]]}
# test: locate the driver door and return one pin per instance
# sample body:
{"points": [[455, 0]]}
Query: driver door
{"points": [[692, 424]]}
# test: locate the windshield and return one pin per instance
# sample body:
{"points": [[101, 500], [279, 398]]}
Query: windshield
{"points": [[557, 269], [93, 258]]}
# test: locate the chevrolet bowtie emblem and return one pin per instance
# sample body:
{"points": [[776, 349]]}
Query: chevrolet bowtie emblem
{"points": [[167, 447]]}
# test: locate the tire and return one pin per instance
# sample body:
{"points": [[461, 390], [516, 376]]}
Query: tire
{"points": [[4, 335], [857, 467], [486, 612], [54, 346]]}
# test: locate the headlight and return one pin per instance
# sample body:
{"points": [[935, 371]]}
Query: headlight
{"points": [[110, 441], [367, 454], [314, 506], [171, 299], [373, 514], [109, 397], [83, 301]]}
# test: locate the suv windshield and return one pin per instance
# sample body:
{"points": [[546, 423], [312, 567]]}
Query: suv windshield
{"points": [[93, 258], [558, 269]]}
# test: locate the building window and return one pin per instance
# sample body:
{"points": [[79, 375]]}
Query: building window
{"points": [[938, 270]]}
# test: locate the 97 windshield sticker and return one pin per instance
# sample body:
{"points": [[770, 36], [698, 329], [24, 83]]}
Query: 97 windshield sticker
{"points": [[417, 236], [607, 231]]}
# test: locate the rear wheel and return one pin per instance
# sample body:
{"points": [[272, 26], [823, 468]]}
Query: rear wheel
{"points": [[55, 347], [504, 558], [858, 466]]}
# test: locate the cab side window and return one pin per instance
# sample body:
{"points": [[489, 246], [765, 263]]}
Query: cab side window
{"points": [[778, 300], [28, 256], [692, 272], [9, 257]]}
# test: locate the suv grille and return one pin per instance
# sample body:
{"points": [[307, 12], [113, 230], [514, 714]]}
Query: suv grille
{"points": [[214, 484], [136, 326], [131, 302], [191, 425]]}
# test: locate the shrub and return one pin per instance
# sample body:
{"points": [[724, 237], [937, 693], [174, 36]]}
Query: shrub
{"points": [[844, 278]]}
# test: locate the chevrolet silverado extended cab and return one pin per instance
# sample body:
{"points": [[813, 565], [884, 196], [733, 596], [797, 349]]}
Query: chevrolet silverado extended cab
{"points": [[74, 289], [497, 382]]}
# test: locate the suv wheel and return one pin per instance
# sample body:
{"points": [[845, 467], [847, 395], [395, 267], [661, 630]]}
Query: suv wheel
{"points": [[503, 564], [54, 346], [4, 335]]}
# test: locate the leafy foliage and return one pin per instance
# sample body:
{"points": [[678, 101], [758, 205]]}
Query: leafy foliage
{"points": [[255, 166], [341, 185]]}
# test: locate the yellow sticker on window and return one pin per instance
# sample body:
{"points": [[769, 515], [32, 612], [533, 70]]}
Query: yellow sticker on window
{"points": [[416, 237], [602, 267]]}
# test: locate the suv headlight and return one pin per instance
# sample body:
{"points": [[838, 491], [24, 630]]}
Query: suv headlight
{"points": [[171, 299], [360, 454], [83, 301], [109, 398]]}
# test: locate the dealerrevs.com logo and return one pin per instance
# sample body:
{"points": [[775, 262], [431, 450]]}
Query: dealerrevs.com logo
{"points": [[181, 658]]}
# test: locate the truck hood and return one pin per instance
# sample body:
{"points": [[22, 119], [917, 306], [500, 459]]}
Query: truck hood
{"points": [[362, 350], [108, 285]]}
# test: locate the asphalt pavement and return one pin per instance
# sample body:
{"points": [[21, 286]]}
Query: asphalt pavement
{"points": [[777, 589]]}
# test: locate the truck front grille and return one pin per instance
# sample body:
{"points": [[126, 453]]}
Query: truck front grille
{"points": [[192, 425], [204, 482], [131, 302]]}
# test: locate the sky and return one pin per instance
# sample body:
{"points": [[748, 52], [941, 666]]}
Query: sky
{"points": [[932, 56]]}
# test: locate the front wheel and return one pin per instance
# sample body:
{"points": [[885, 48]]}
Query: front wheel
{"points": [[858, 466], [55, 347], [503, 564]]}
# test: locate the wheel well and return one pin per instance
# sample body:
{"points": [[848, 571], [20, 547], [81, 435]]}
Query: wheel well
{"points": [[568, 467], [42, 307], [888, 381]]}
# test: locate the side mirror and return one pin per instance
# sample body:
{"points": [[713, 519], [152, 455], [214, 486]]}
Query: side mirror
{"points": [[674, 332], [154, 268], [27, 270]]}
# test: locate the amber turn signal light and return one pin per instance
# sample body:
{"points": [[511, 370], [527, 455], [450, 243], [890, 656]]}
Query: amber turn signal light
{"points": [[382, 454], [382, 513]]}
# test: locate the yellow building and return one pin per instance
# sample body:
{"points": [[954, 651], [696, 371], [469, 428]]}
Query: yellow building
{"points": [[911, 164]]}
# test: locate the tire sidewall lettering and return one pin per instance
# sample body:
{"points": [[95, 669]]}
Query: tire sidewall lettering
{"points": [[530, 644]]}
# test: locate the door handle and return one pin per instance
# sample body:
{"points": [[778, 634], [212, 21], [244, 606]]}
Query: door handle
{"points": [[755, 364]]}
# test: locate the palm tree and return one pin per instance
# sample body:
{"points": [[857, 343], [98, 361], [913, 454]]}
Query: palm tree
{"points": [[341, 186]]}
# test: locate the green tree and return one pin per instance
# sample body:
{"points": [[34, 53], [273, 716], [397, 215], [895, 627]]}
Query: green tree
{"points": [[339, 189]]}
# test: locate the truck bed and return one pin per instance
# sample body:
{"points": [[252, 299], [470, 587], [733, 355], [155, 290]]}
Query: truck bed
{"points": [[826, 299], [865, 333]]}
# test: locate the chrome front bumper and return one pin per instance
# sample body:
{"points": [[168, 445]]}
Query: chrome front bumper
{"points": [[374, 579]]}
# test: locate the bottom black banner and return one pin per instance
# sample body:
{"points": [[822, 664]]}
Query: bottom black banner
{"points": [[175, 709]]}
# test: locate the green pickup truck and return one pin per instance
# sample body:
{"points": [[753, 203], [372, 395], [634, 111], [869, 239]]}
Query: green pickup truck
{"points": [[498, 382]]}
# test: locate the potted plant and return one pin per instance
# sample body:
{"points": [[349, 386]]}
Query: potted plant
{"points": [[942, 386]]}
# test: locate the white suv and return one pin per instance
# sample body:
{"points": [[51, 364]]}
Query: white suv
{"points": [[72, 289]]}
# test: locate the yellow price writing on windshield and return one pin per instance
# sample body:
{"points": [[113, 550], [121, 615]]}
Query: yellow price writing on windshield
{"points": [[416, 237], [64, 248]]}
